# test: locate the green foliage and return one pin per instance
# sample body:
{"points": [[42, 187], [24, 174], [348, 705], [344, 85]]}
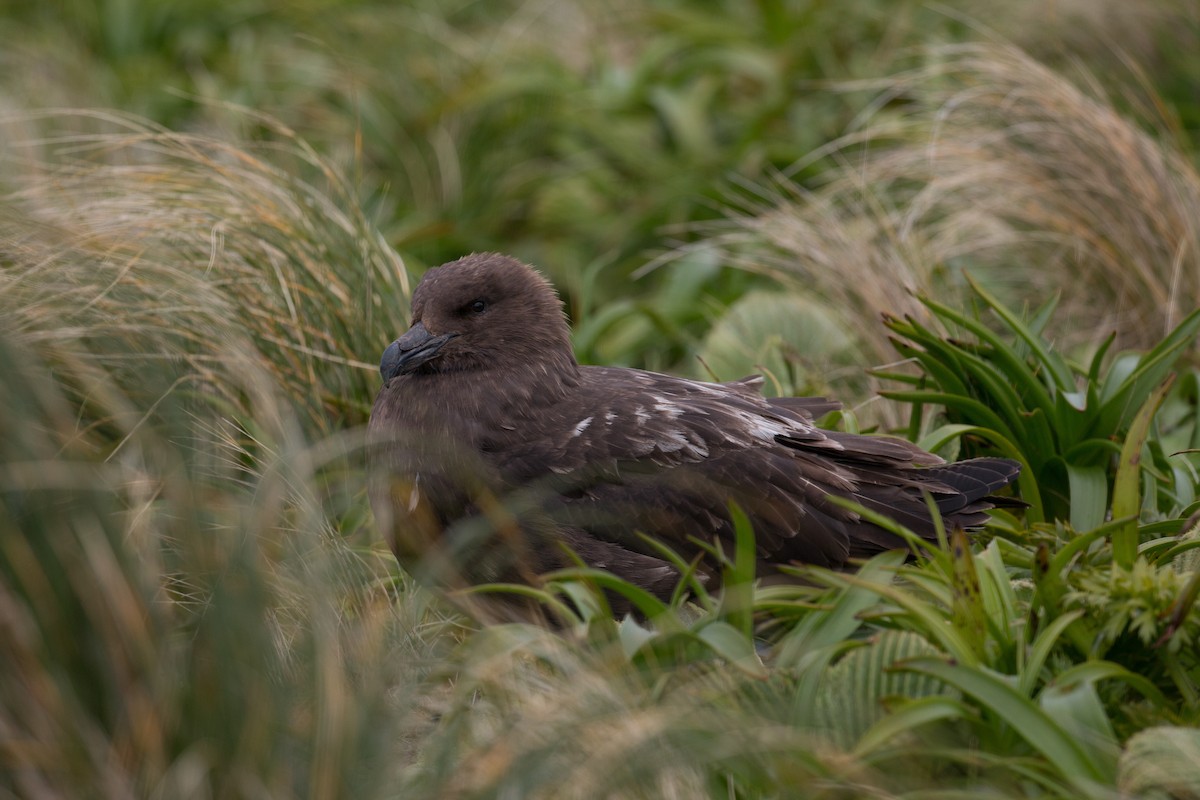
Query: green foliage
{"points": [[193, 604], [1012, 393], [855, 693], [1136, 602]]}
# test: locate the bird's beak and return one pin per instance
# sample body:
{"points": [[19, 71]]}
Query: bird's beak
{"points": [[410, 351]]}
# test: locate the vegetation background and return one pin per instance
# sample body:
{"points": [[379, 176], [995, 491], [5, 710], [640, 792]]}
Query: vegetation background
{"points": [[211, 216]]}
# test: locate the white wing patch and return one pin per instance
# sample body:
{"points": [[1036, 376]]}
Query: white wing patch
{"points": [[582, 426], [669, 407], [764, 428], [414, 497]]}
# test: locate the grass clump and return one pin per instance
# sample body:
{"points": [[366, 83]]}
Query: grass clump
{"points": [[995, 163]]}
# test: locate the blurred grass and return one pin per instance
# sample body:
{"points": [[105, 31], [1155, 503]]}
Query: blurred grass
{"points": [[195, 287]]}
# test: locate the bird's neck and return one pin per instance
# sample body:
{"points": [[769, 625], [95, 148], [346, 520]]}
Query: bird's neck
{"points": [[549, 378]]}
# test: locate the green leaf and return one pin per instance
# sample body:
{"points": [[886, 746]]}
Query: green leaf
{"points": [[633, 636], [688, 578], [941, 436], [907, 718], [737, 590], [1094, 670], [1127, 484], [968, 616], [1078, 709], [1089, 495], [1055, 368], [924, 618], [649, 605], [1023, 717], [852, 692], [1043, 645], [1124, 400], [833, 626], [968, 406], [734, 646]]}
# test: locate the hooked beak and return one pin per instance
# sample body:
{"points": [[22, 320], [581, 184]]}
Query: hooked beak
{"points": [[410, 351]]}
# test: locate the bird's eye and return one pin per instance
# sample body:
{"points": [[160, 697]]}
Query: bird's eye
{"points": [[477, 306]]}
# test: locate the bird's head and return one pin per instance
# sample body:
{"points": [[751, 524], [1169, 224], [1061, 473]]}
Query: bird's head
{"points": [[484, 312]]}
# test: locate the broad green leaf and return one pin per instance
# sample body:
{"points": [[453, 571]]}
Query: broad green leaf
{"points": [[1078, 709], [734, 646], [1000, 600], [1039, 440], [1093, 374], [852, 691], [941, 436], [1031, 723], [1000, 389], [633, 636], [1089, 495], [1041, 317], [1124, 400], [925, 619], [1094, 670], [1071, 417], [906, 719], [973, 409], [649, 605]]}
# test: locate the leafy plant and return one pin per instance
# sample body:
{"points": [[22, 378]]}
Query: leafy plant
{"points": [[1012, 393]]}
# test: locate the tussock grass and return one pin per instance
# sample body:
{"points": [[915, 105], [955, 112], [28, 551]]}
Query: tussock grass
{"points": [[191, 603], [987, 160], [136, 246], [178, 623], [545, 716]]}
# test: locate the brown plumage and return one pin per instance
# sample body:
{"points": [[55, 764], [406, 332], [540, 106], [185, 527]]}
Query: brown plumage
{"points": [[493, 447]]}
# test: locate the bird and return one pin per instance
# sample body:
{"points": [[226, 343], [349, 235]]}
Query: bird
{"points": [[495, 457]]}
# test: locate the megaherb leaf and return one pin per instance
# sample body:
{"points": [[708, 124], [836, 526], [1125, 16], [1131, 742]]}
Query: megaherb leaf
{"points": [[734, 646], [1001, 701], [1089, 495], [907, 718], [1078, 709], [854, 691]]}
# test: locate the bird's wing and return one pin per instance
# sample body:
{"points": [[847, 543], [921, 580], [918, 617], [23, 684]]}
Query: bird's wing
{"points": [[665, 456]]}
